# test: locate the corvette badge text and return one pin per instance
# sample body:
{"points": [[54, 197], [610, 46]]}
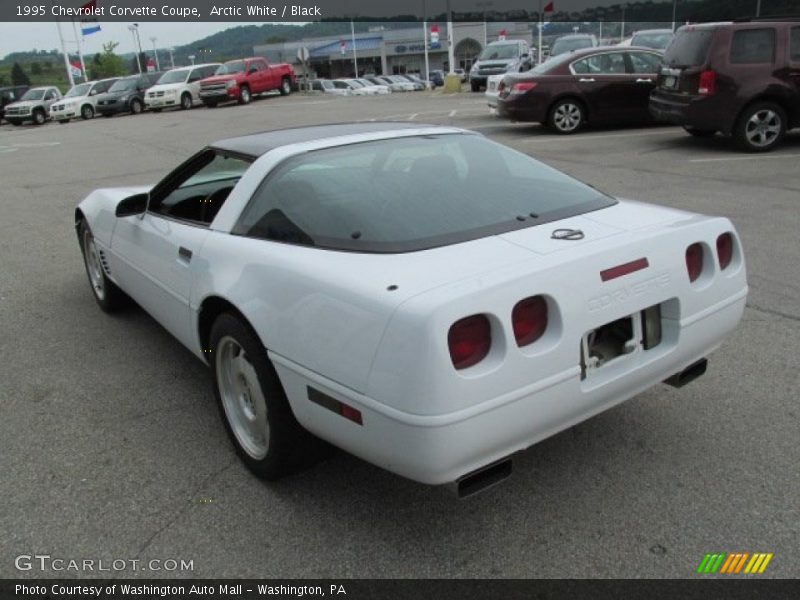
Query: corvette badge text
{"points": [[46, 562], [626, 293]]}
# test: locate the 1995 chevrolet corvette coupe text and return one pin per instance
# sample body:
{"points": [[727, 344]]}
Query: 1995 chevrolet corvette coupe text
{"points": [[420, 296]]}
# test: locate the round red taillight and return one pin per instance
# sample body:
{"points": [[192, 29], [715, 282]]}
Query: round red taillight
{"points": [[529, 319], [469, 341], [725, 250], [694, 261]]}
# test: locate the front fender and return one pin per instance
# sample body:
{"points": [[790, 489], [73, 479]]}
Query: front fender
{"points": [[99, 210]]}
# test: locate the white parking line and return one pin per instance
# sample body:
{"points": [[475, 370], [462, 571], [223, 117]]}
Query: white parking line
{"points": [[413, 116], [602, 136], [453, 113], [750, 157]]}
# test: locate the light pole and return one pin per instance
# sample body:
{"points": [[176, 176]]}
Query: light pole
{"points": [[171, 57], [674, 13], [451, 50], [133, 29], [155, 52], [484, 5]]}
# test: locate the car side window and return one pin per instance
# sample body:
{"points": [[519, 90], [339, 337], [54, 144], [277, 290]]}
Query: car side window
{"points": [[794, 44], [196, 191], [609, 63], [645, 62], [50, 95], [752, 46]]}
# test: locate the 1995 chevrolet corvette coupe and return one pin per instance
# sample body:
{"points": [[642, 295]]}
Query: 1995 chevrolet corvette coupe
{"points": [[424, 298]]}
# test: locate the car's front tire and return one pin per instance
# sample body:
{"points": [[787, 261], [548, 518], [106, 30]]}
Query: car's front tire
{"points": [[186, 101], [286, 87], [244, 95], [136, 106], [87, 112], [39, 117], [253, 405], [566, 116], [760, 127], [109, 296], [475, 86]]}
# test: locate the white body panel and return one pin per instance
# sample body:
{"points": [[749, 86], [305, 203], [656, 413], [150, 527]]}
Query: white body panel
{"points": [[168, 95], [331, 323], [491, 90], [70, 107]]}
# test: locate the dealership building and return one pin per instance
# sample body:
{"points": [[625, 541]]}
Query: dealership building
{"points": [[394, 51]]}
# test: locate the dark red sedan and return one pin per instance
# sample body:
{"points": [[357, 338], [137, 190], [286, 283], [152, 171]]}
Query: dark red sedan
{"points": [[597, 85]]}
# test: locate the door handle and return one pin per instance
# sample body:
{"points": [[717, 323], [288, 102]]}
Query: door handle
{"points": [[648, 80], [586, 80], [184, 254]]}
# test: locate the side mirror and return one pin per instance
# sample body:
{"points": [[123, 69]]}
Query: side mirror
{"points": [[132, 205]]}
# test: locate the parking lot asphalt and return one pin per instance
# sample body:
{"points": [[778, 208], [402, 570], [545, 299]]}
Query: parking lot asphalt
{"points": [[111, 446]]}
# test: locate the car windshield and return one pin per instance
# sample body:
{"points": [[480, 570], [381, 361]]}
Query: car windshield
{"points": [[124, 85], [658, 41], [411, 193], [177, 76], [689, 48], [33, 95], [78, 90], [499, 52], [229, 68], [568, 45]]}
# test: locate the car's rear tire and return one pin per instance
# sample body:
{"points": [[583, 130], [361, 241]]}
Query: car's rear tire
{"points": [[253, 405], [760, 127], [39, 117], [566, 116], [87, 112], [186, 101], [699, 133], [244, 95], [108, 295], [286, 87], [136, 106]]}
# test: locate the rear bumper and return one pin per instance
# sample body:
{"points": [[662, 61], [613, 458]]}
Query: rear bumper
{"points": [[517, 109], [692, 111], [438, 449]]}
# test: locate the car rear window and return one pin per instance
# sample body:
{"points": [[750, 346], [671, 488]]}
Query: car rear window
{"points": [[411, 193], [689, 48], [794, 45], [751, 46]]}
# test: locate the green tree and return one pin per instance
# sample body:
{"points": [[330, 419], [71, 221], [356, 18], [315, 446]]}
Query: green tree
{"points": [[36, 68], [107, 63], [18, 75]]}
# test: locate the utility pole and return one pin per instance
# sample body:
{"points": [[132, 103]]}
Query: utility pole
{"points": [[425, 42], [353, 39], [171, 57], [66, 56], [541, 26], [451, 56], [133, 29], [675, 12], [758, 8], [155, 52]]}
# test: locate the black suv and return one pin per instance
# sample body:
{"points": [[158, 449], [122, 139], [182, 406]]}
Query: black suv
{"points": [[126, 95], [741, 79], [11, 94]]}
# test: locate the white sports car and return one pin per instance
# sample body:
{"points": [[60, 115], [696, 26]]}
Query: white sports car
{"points": [[424, 298]]}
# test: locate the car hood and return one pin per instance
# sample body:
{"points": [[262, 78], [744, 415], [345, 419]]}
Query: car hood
{"points": [[221, 78], [165, 87], [24, 104]]}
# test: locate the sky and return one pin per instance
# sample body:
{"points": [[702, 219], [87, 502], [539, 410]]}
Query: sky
{"points": [[16, 37]]}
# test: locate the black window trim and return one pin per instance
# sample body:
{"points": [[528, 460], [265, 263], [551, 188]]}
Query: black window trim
{"points": [[178, 171], [342, 245]]}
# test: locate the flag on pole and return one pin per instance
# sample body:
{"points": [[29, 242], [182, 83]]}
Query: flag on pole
{"points": [[549, 8], [502, 36], [89, 25], [342, 47], [75, 67], [435, 37]]}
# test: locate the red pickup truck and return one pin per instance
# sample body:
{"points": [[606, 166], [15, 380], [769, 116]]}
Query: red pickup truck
{"points": [[239, 80]]}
